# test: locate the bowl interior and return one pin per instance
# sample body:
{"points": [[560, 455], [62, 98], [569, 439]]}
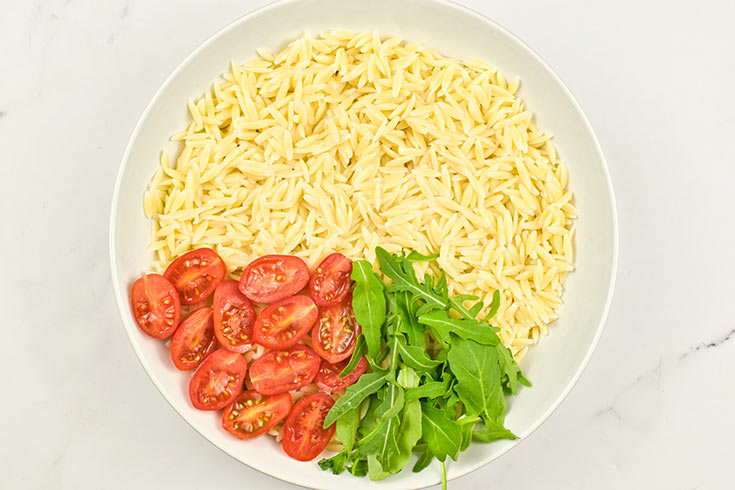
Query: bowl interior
{"points": [[553, 366]]}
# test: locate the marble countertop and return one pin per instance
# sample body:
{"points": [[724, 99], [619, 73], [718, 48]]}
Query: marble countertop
{"points": [[653, 408]]}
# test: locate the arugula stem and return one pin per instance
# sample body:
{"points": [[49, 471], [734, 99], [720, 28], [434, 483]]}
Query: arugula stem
{"points": [[444, 476]]}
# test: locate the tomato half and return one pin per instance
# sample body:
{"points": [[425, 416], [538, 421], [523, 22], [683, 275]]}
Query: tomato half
{"points": [[252, 414], [196, 274], [335, 332], [331, 281], [304, 436], [156, 306], [327, 378], [193, 340], [234, 317], [274, 277], [279, 371], [284, 323], [217, 380]]}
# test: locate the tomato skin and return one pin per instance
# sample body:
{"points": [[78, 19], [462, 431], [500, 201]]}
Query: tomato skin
{"points": [[155, 304], [285, 322], [251, 414], [273, 277], [279, 371], [335, 332], [331, 280], [194, 340], [196, 274], [218, 380], [304, 437], [234, 317], [327, 378]]}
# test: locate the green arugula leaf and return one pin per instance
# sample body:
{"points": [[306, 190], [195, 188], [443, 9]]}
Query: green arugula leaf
{"points": [[346, 427], [382, 440], [356, 355], [442, 434], [354, 395], [408, 435], [444, 325], [414, 256], [494, 305], [466, 437], [432, 389], [425, 458], [368, 304], [492, 431], [407, 378], [336, 463], [408, 323], [478, 377], [403, 281], [392, 403], [375, 469], [415, 357], [509, 369]]}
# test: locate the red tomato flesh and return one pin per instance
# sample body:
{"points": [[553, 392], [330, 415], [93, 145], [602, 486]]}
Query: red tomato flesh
{"points": [[196, 274], [284, 323], [304, 437], [217, 380], [156, 306], [273, 277], [279, 371], [234, 317], [331, 281], [327, 378], [252, 414], [335, 332], [193, 340]]}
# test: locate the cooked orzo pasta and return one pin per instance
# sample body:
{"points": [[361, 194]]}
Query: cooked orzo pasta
{"points": [[346, 141]]}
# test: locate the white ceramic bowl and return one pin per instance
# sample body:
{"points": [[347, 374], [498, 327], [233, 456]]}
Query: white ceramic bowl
{"points": [[553, 366]]}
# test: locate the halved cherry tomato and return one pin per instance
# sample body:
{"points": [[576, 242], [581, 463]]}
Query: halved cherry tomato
{"points": [[279, 371], [284, 323], [155, 305], [335, 332], [274, 277], [331, 281], [327, 378], [196, 274], [217, 380], [304, 436], [193, 340], [252, 414], [234, 317]]}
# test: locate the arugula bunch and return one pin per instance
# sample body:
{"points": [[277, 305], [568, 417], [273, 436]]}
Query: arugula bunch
{"points": [[439, 374]]}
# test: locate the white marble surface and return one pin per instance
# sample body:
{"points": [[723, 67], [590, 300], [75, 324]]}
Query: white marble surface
{"points": [[654, 408]]}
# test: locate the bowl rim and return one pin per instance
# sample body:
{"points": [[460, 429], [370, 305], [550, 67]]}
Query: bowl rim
{"points": [[121, 296]]}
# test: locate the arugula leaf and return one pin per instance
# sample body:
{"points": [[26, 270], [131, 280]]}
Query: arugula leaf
{"points": [[392, 402], [375, 469], [403, 281], [368, 304], [407, 378], [354, 395], [408, 324], [359, 468], [491, 432], [414, 256], [494, 305], [336, 463], [444, 325], [478, 377], [442, 434], [509, 368], [466, 437], [432, 389], [408, 435], [381, 441], [425, 458], [356, 355], [346, 427], [415, 357]]}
